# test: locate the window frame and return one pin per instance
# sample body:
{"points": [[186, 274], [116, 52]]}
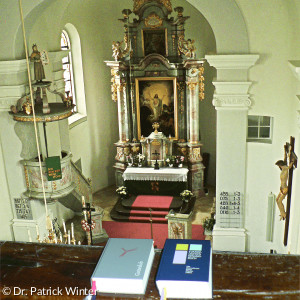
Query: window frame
{"points": [[257, 138], [80, 114]]}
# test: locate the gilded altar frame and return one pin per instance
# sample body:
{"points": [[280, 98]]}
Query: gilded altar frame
{"points": [[151, 41], [156, 101]]}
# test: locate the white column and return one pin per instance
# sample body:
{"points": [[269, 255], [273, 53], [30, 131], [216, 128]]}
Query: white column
{"points": [[231, 100]]}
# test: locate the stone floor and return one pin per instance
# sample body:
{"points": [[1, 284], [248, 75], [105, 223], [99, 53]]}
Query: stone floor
{"points": [[107, 198]]}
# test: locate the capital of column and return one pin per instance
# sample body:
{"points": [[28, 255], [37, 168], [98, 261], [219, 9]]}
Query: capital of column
{"points": [[232, 95]]}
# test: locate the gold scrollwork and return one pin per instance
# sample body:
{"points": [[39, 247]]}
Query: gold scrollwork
{"points": [[114, 94], [26, 177], [137, 4], [180, 87], [192, 85], [201, 83], [43, 119], [153, 21]]}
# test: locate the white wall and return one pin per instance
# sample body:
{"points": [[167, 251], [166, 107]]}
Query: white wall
{"points": [[271, 28]]}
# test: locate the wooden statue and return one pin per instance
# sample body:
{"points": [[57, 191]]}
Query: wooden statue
{"points": [[35, 56], [282, 164]]}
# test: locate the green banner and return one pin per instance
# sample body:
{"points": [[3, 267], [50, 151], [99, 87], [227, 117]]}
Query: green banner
{"points": [[53, 168]]}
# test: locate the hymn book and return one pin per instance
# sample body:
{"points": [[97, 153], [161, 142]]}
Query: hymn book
{"points": [[185, 269], [124, 266]]}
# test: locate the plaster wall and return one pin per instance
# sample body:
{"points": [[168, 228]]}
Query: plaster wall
{"points": [[272, 34]]}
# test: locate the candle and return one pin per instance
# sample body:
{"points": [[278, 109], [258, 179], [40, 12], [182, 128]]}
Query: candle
{"points": [[85, 217], [60, 237], [79, 243], [37, 230], [64, 225], [29, 235], [55, 238], [69, 237], [72, 228], [83, 201]]}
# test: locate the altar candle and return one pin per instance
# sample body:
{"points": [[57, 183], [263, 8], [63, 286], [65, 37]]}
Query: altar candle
{"points": [[60, 237], [29, 235], [37, 229], [64, 225], [72, 228], [83, 201], [55, 238], [85, 217], [79, 243], [69, 238]]}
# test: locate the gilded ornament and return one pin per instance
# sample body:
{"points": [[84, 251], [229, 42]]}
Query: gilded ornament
{"points": [[153, 21], [192, 85], [186, 47], [201, 83], [137, 4], [43, 119]]}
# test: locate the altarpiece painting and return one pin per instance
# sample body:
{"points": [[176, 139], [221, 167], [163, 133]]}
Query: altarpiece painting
{"points": [[156, 102]]}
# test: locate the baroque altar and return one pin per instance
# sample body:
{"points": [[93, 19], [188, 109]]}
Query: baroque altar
{"points": [[156, 78]]}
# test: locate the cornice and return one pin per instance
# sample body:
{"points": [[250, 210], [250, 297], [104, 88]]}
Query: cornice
{"points": [[295, 67], [231, 61], [13, 66]]}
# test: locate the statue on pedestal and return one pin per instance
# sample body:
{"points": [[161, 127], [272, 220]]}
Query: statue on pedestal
{"points": [[35, 56]]}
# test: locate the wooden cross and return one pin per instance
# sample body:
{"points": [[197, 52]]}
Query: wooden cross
{"points": [[292, 157]]}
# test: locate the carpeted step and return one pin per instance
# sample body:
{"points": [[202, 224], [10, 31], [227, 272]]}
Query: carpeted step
{"points": [[147, 219], [176, 203], [157, 213]]}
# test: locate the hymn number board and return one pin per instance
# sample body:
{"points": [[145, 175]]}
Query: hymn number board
{"points": [[231, 210]]}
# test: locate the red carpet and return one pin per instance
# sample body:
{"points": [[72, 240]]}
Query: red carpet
{"points": [[156, 202], [143, 231]]}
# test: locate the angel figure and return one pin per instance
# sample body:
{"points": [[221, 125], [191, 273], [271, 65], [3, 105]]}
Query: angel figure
{"points": [[187, 47], [117, 50]]}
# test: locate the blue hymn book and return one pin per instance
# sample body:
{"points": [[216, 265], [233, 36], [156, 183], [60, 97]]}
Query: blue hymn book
{"points": [[124, 266], [185, 269]]}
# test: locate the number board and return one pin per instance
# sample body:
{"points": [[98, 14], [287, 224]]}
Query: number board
{"points": [[231, 210], [23, 208]]}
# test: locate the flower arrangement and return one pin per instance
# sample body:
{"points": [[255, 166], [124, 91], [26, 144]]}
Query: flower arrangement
{"points": [[174, 161], [209, 223], [186, 195], [136, 160], [122, 191]]}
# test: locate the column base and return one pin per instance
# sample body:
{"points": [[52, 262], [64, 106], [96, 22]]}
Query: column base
{"points": [[229, 239]]}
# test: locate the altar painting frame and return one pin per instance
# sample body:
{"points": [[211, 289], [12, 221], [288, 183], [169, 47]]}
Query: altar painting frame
{"points": [[152, 39], [164, 89]]}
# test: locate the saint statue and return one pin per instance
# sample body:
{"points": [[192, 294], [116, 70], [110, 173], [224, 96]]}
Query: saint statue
{"points": [[35, 56]]}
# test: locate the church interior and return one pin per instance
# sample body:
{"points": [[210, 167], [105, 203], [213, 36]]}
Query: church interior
{"points": [[150, 111]]}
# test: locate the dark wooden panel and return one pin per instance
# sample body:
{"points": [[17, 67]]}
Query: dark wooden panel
{"points": [[235, 275]]}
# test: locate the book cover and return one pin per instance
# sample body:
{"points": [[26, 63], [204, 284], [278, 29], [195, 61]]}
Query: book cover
{"points": [[185, 269], [124, 266]]}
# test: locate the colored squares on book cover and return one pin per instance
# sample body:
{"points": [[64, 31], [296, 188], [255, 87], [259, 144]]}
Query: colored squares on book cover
{"points": [[180, 254], [182, 247], [196, 247]]}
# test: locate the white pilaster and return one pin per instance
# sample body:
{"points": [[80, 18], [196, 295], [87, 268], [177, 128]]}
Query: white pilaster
{"points": [[231, 100]]}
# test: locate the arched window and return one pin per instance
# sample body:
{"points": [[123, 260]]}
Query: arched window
{"points": [[68, 68], [73, 72]]}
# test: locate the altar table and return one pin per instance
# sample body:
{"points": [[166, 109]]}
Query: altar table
{"points": [[165, 181], [65, 267]]}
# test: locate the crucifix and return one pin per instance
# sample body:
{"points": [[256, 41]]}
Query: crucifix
{"points": [[87, 211], [286, 180], [156, 165]]}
